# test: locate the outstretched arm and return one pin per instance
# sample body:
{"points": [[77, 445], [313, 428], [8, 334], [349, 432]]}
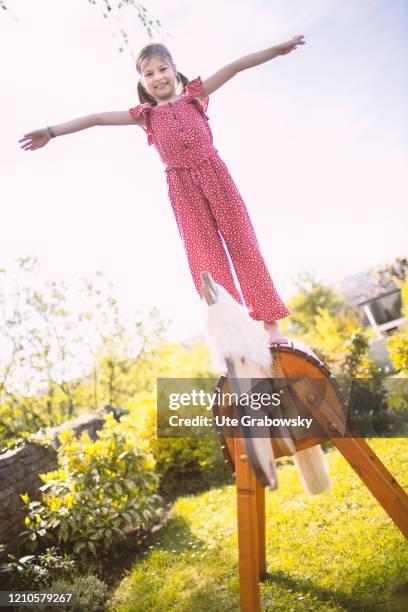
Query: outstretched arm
{"points": [[39, 138], [226, 73]]}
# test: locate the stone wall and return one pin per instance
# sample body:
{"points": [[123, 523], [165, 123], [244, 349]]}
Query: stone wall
{"points": [[19, 473]]}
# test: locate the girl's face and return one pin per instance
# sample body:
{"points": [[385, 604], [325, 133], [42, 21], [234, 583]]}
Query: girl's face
{"points": [[159, 78]]}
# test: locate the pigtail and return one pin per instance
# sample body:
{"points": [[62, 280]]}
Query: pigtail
{"points": [[182, 79], [144, 96]]}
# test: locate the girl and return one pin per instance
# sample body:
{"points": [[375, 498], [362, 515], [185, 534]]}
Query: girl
{"points": [[208, 208]]}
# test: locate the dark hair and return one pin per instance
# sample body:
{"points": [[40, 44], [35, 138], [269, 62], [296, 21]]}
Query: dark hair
{"points": [[147, 52]]}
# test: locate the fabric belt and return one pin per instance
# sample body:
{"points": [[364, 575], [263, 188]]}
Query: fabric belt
{"points": [[194, 170]]}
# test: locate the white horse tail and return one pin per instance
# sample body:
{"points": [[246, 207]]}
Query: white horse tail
{"points": [[313, 469]]}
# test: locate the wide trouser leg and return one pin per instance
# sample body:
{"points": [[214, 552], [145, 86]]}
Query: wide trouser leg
{"points": [[198, 230], [232, 219]]}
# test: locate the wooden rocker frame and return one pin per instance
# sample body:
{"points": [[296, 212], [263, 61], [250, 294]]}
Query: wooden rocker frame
{"points": [[250, 496], [251, 493]]}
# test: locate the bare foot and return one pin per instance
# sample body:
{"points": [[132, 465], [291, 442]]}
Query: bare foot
{"points": [[274, 335]]}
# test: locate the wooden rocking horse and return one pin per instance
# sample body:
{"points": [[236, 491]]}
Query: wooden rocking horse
{"points": [[304, 381]]}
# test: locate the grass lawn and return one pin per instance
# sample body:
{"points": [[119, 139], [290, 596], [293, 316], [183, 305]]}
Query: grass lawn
{"points": [[335, 551]]}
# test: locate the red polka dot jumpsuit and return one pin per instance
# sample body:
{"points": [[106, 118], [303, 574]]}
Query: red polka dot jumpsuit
{"points": [[207, 205]]}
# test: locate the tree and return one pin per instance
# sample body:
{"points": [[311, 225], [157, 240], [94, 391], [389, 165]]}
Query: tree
{"points": [[119, 345], [322, 320], [311, 296], [61, 353]]}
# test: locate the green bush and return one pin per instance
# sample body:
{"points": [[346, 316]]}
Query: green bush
{"points": [[398, 342], [188, 465], [182, 464], [89, 593], [33, 571], [398, 350], [100, 491]]}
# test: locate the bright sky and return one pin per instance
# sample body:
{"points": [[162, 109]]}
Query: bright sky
{"points": [[316, 141]]}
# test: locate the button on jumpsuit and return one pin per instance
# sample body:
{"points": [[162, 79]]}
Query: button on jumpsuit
{"points": [[208, 208]]}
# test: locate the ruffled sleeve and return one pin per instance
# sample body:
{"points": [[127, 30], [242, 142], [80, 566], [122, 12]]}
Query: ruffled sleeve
{"points": [[193, 90], [144, 110]]}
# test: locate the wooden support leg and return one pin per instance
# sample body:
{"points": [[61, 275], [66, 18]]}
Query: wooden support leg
{"points": [[361, 457], [377, 478], [248, 534], [260, 505]]}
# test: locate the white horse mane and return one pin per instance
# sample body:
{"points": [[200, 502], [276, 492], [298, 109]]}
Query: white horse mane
{"points": [[233, 335]]}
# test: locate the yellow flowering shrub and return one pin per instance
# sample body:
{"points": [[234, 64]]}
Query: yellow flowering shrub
{"points": [[100, 490]]}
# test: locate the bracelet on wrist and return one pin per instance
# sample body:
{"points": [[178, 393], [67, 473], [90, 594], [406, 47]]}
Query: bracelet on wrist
{"points": [[50, 131]]}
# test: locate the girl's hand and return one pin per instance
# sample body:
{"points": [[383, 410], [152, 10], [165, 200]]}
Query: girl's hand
{"points": [[35, 140], [289, 46]]}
